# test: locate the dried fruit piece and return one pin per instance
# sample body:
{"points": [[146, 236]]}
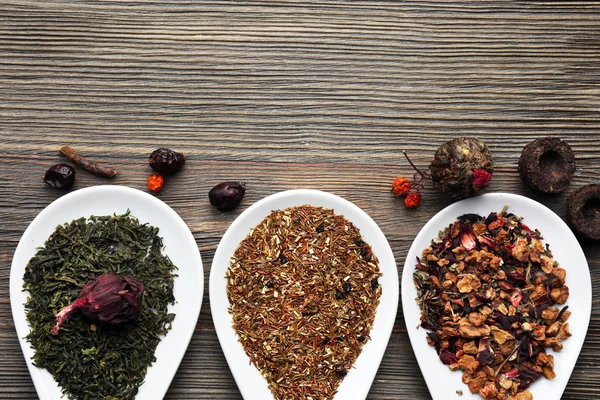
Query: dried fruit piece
{"points": [[166, 161], [461, 167], [583, 211], [109, 298], [60, 176], [227, 195], [547, 165]]}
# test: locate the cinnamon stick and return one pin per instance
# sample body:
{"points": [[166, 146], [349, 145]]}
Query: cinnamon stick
{"points": [[88, 164]]}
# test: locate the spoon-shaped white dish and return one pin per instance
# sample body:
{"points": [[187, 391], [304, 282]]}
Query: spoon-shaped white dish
{"points": [[180, 246], [442, 382], [356, 384]]}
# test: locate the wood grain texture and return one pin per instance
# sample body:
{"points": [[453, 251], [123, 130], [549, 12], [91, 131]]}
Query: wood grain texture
{"points": [[287, 94]]}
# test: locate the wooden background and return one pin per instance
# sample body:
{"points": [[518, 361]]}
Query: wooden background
{"points": [[289, 94]]}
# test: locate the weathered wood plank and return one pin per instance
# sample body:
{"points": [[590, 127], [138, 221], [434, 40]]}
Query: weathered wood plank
{"points": [[289, 94]]}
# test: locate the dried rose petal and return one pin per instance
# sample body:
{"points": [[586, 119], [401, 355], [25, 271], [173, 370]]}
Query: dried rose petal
{"points": [[467, 239], [513, 373], [448, 357], [516, 297]]}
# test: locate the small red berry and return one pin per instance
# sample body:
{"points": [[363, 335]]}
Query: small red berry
{"points": [[401, 186], [155, 182], [412, 200]]}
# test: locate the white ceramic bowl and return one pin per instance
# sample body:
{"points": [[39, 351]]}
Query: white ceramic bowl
{"points": [[179, 244], [356, 384], [442, 382]]}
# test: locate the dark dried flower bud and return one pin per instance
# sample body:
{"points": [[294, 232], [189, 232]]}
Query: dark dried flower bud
{"points": [[461, 167], [109, 298], [166, 161]]}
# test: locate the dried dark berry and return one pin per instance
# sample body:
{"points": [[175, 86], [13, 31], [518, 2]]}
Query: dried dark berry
{"points": [[346, 287], [547, 165], [61, 176], [320, 228], [583, 211], [166, 161], [359, 242], [277, 339], [461, 167], [362, 338], [269, 284], [283, 259], [341, 371], [339, 295], [227, 195], [374, 284]]}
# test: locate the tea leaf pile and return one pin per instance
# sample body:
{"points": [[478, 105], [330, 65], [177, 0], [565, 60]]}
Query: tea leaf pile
{"points": [[94, 361]]}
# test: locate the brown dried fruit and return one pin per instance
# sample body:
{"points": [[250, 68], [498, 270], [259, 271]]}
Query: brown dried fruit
{"points": [[552, 330], [468, 364], [583, 212], [548, 372], [563, 332], [476, 318], [467, 283], [501, 336], [560, 294], [525, 395], [549, 315], [489, 391], [554, 343], [547, 165], [504, 382], [477, 382], [471, 331], [470, 348]]}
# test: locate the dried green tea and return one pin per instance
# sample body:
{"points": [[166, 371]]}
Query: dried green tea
{"points": [[92, 360], [303, 290]]}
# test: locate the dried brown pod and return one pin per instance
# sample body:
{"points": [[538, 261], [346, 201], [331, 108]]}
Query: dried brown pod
{"points": [[583, 211], [461, 167], [547, 165]]}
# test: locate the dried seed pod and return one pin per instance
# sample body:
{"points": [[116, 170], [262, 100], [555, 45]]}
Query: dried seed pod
{"points": [[166, 161], [547, 165], [583, 211], [61, 176], [461, 167], [110, 298]]}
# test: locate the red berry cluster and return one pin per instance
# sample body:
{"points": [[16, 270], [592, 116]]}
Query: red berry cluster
{"points": [[403, 187]]}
